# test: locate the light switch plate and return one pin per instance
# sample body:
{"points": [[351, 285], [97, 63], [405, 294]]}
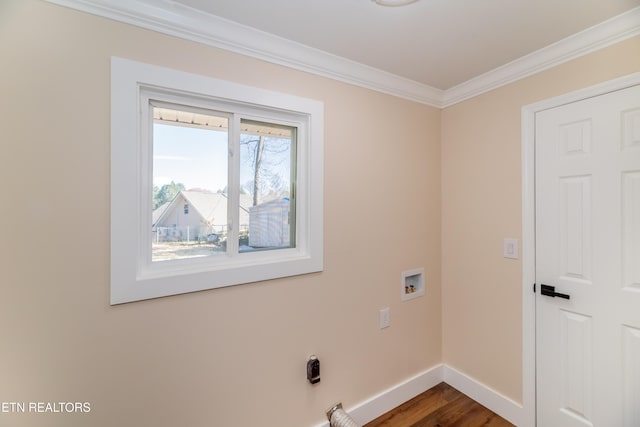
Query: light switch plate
{"points": [[511, 248], [385, 318]]}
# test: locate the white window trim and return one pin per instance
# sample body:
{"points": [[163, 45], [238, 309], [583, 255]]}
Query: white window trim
{"points": [[132, 279]]}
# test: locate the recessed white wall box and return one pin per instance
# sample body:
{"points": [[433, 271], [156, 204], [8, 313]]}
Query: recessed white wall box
{"points": [[412, 284], [511, 248]]}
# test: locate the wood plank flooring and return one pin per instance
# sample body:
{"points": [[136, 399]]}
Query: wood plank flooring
{"points": [[440, 406]]}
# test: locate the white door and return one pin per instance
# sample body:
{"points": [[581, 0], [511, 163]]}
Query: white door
{"points": [[588, 248]]}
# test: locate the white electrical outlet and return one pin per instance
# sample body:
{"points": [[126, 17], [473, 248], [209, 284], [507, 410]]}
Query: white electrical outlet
{"points": [[385, 318]]}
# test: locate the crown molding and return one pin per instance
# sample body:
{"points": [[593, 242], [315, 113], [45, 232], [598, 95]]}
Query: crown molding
{"points": [[175, 19], [607, 33], [181, 21]]}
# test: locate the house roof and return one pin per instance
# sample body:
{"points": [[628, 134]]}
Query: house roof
{"points": [[210, 206], [280, 202], [157, 213]]}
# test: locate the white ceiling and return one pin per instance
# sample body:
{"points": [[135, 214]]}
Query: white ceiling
{"points": [[438, 52], [440, 43]]}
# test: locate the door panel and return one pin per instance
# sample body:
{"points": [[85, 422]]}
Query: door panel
{"points": [[631, 375], [631, 129], [631, 230], [575, 229], [576, 332], [588, 246]]}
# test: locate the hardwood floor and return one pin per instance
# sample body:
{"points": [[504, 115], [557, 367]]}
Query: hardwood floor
{"points": [[440, 406]]}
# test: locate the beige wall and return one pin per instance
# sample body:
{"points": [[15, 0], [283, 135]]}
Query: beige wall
{"points": [[233, 356], [227, 357], [481, 205]]}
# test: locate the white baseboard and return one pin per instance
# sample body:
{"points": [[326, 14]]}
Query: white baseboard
{"points": [[393, 397], [396, 395], [496, 402], [389, 399]]}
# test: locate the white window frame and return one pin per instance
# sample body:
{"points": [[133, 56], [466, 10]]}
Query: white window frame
{"points": [[134, 276]]}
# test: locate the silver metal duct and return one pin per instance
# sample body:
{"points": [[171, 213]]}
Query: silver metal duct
{"points": [[339, 418]]}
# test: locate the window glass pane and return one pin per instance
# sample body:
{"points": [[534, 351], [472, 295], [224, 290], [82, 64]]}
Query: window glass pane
{"points": [[267, 182], [190, 164]]}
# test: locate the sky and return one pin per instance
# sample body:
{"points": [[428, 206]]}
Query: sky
{"points": [[198, 161], [197, 158]]}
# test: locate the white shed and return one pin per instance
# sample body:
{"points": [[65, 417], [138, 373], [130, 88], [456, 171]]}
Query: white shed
{"points": [[269, 224]]}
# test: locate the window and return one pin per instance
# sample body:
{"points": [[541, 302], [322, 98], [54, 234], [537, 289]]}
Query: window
{"points": [[226, 181]]}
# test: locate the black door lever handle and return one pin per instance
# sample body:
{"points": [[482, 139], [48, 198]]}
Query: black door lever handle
{"points": [[550, 291]]}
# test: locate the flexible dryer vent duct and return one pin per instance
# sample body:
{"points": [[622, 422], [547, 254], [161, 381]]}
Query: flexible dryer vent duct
{"points": [[339, 418]]}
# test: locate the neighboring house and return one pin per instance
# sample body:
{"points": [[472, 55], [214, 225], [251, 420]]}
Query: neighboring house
{"points": [[192, 215]]}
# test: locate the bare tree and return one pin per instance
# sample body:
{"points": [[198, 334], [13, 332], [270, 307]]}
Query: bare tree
{"points": [[264, 155]]}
